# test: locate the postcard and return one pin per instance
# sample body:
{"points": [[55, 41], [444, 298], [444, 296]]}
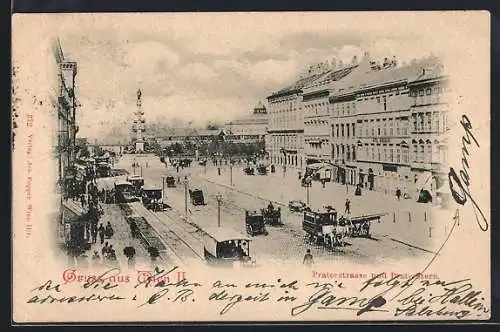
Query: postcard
{"points": [[251, 167]]}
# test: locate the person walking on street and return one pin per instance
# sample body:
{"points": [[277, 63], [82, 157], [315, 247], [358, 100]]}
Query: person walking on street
{"points": [[347, 206], [104, 250], [109, 232], [398, 193], [94, 233], [101, 232], [308, 258], [96, 258]]}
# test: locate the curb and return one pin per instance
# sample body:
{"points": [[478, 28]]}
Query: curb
{"points": [[412, 246]]}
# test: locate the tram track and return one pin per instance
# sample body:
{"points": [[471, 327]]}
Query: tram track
{"points": [[183, 246]]}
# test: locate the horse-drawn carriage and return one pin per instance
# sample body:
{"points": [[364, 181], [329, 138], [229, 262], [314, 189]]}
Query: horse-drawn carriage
{"points": [[249, 171], [170, 180], [360, 226], [197, 197], [262, 170], [254, 222], [272, 216]]}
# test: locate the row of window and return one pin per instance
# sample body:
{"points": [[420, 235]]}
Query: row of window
{"points": [[429, 122], [344, 152], [287, 141], [395, 154], [344, 130]]}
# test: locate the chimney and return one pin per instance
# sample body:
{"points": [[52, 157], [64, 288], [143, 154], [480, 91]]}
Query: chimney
{"points": [[354, 60], [333, 64]]}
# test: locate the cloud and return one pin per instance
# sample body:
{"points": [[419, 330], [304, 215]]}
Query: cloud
{"points": [[216, 66]]}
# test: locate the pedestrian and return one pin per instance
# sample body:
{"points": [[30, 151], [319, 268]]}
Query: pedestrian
{"points": [[104, 250], [101, 232], [347, 206], [94, 233], [95, 258], [82, 200], [308, 258], [398, 193], [218, 170], [109, 230], [323, 181]]}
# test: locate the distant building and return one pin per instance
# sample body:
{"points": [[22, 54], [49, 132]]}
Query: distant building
{"points": [[251, 128]]}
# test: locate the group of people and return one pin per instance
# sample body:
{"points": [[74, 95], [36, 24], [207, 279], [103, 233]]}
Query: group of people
{"points": [[103, 232]]}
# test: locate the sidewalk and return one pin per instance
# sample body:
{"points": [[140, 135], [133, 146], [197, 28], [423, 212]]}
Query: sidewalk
{"points": [[121, 238], [416, 224]]}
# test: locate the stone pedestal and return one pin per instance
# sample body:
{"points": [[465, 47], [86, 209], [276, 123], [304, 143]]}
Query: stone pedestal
{"points": [[139, 147]]}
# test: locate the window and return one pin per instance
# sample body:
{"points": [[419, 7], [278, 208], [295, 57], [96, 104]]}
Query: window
{"points": [[398, 155], [428, 91], [353, 131], [385, 104], [342, 129], [429, 121], [337, 128], [415, 153], [373, 153], [391, 155], [404, 152], [436, 90], [378, 131], [421, 153], [436, 122], [353, 153], [348, 132], [421, 93], [378, 153]]}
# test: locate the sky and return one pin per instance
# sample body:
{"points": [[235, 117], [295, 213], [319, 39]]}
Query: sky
{"points": [[200, 67]]}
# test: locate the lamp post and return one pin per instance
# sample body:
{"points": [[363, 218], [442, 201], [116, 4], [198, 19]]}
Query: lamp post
{"points": [[219, 200], [308, 184], [134, 165], [186, 196], [230, 172], [162, 188]]}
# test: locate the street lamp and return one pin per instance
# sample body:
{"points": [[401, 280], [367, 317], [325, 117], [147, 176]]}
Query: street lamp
{"points": [[186, 196], [230, 172], [307, 184], [219, 200]]}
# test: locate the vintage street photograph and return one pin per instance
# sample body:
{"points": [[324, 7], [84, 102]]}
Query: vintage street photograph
{"points": [[248, 140]]}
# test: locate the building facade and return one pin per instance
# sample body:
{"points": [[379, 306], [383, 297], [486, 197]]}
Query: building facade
{"points": [[285, 134], [318, 111], [66, 110], [371, 127], [428, 127]]}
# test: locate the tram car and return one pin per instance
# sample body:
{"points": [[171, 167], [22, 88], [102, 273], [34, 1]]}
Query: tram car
{"points": [[225, 247], [361, 225], [125, 192], [152, 198], [137, 181], [323, 228], [254, 223]]}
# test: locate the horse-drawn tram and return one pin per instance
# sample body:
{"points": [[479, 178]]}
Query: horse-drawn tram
{"points": [[152, 198], [125, 192], [225, 247], [324, 228]]}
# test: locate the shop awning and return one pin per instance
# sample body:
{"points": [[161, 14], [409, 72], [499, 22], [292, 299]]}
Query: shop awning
{"points": [[424, 181], [72, 212]]}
